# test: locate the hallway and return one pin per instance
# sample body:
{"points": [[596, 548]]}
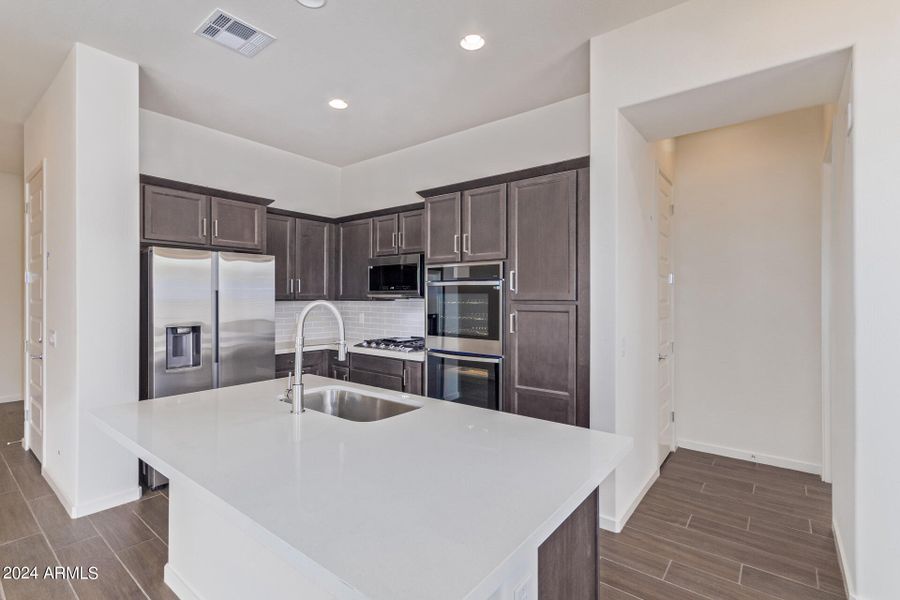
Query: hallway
{"points": [[719, 528]]}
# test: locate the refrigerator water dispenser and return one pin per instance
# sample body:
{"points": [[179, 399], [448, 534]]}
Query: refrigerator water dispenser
{"points": [[182, 347]]}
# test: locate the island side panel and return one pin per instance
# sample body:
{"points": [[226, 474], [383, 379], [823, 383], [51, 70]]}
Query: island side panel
{"points": [[212, 556], [568, 559]]}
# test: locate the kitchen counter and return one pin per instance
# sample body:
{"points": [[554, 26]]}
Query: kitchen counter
{"points": [[446, 501], [311, 346]]}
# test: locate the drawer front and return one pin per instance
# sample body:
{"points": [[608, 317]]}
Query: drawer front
{"points": [[388, 382], [285, 362], [377, 364]]}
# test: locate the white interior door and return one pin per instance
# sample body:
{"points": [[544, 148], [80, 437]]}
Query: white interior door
{"points": [[34, 314], [665, 362]]}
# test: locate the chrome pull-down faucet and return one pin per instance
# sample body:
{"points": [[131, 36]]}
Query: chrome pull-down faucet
{"points": [[297, 395]]}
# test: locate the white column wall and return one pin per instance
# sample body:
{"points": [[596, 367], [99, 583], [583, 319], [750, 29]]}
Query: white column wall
{"points": [[707, 41]]}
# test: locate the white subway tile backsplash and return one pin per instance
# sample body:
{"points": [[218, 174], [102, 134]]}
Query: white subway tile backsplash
{"points": [[362, 320]]}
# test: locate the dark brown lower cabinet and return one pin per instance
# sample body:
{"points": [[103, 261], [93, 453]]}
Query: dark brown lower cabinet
{"points": [[388, 373], [568, 559], [314, 363], [542, 361], [413, 377]]}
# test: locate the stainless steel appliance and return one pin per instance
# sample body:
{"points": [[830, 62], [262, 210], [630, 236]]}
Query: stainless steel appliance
{"points": [[397, 344], [393, 277], [207, 321], [464, 333], [467, 379], [464, 308]]}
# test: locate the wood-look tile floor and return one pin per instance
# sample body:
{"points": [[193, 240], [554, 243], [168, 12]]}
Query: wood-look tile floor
{"points": [[126, 544], [717, 528], [711, 528]]}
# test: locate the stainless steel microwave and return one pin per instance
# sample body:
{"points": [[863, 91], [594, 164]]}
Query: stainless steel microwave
{"points": [[393, 277]]}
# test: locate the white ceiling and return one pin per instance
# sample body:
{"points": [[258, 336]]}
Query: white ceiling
{"points": [[397, 62]]}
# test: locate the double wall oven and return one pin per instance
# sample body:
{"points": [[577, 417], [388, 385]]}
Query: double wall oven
{"points": [[464, 333]]}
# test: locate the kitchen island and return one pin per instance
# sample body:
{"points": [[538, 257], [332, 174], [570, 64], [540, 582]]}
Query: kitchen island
{"points": [[445, 501]]}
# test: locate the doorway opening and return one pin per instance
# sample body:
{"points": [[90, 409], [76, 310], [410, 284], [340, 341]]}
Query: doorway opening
{"points": [[744, 217]]}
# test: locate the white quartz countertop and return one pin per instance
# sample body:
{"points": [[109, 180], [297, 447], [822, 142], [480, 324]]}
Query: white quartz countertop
{"points": [[311, 346], [427, 504]]}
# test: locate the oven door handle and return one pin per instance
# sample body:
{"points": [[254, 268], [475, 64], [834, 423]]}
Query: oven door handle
{"points": [[483, 282], [483, 359]]}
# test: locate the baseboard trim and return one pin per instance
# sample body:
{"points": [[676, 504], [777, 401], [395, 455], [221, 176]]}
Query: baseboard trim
{"points": [[68, 505], [94, 506], [616, 524], [110, 501], [849, 588], [178, 585], [10, 398], [773, 461]]}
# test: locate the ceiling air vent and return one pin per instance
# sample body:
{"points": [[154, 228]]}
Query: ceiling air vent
{"points": [[233, 33]]}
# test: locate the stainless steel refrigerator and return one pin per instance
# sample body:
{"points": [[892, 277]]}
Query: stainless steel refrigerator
{"points": [[207, 321]]}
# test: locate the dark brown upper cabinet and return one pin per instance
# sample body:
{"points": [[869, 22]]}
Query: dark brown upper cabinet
{"points": [[402, 233], [542, 262], [280, 244], [385, 231], [484, 223], [442, 225], [311, 271], [185, 218], [412, 231], [355, 250], [173, 216], [302, 256], [541, 361], [236, 224], [467, 226]]}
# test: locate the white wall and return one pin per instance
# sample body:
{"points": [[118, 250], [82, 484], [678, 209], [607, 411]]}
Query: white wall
{"points": [[709, 41], [747, 238], [50, 136], [188, 152], [86, 127], [841, 325], [11, 306], [545, 135]]}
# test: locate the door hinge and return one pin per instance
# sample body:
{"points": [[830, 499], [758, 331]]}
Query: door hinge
{"points": [[849, 117], [27, 207], [673, 416]]}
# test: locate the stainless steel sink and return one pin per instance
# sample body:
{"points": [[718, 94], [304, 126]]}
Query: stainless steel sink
{"points": [[353, 405]]}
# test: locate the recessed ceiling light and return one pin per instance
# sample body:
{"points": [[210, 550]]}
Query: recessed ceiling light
{"points": [[312, 3], [338, 103], [472, 42]]}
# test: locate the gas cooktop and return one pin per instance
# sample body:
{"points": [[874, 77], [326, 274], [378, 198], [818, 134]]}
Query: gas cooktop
{"points": [[397, 344]]}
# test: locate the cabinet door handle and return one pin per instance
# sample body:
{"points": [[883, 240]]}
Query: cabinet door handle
{"points": [[512, 281], [404, 378], [292, 286], [394, 240], [203, 226], [299, 287], [513, 321], [215, 228], [467, 244], [400, 239], [456, 243]]}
